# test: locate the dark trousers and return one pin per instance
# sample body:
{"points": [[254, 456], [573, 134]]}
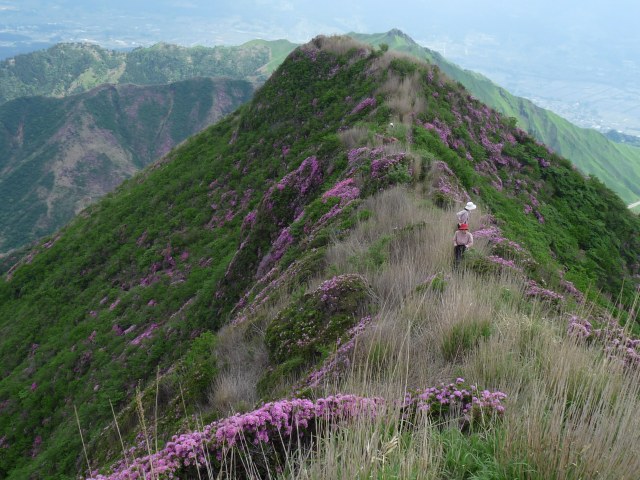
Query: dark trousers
{"points": [[458, 252]]}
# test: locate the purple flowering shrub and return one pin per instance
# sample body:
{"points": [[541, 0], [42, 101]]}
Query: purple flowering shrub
{"points": [[579, 327], [446, 188], [505, 252], [268, 433], [317, 320], [166, 266], [571, 289], [613, 338], [534, 290], [144, 335], [357, 158], [339, 360], [458, 400], [266, 235], [386, 163], [265, 438], [226, 204], [510, 264], [278, 248], [364, 104], [384, 167], [282, 265], [346, 190], [318, 214]]}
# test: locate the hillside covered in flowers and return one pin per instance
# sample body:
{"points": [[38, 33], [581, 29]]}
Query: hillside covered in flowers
{"points": [[277, 293]]}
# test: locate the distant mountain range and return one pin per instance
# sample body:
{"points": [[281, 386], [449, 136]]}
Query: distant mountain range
{"points": [[79, 138], [69, 68]]}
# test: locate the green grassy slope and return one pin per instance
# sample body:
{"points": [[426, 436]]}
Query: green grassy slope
{"points": [[167, 235], [278, 50], [59, 70], [139, 285]]}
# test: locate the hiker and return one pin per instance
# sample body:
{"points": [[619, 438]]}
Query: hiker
{"points": [[461, 241], [463, 215]]}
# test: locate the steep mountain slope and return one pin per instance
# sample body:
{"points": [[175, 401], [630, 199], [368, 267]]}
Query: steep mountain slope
{"points": [[73, 68], [618, 166], [234, 225], [62, 154]]}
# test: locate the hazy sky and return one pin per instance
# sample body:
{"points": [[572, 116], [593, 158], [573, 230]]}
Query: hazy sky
{"points": [[590, 31], [222, 21]]}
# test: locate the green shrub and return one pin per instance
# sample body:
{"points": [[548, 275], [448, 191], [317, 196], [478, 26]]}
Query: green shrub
{"points": [[436, 283], [316, 321], [463, 337], [199, 366]]}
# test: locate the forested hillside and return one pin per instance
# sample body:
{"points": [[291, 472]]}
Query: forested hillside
{"points": [[69, 68]]}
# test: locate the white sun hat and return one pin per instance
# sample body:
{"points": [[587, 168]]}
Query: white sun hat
{"points": [[470, 206]]}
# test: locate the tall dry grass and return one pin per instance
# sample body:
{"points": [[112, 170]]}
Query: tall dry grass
{"points": [[421, 243], [242, 358], [354, 136], [383, 62], [373, 448], [403, 95], [340, 44], [572, 411]]}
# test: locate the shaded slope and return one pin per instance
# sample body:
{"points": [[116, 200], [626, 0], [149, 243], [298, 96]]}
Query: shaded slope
{"points": [[62, 154], [144, 279]]}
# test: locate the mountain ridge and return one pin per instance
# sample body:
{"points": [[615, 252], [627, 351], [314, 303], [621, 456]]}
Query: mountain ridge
{"points": [[614, 163], [88, 65]]}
